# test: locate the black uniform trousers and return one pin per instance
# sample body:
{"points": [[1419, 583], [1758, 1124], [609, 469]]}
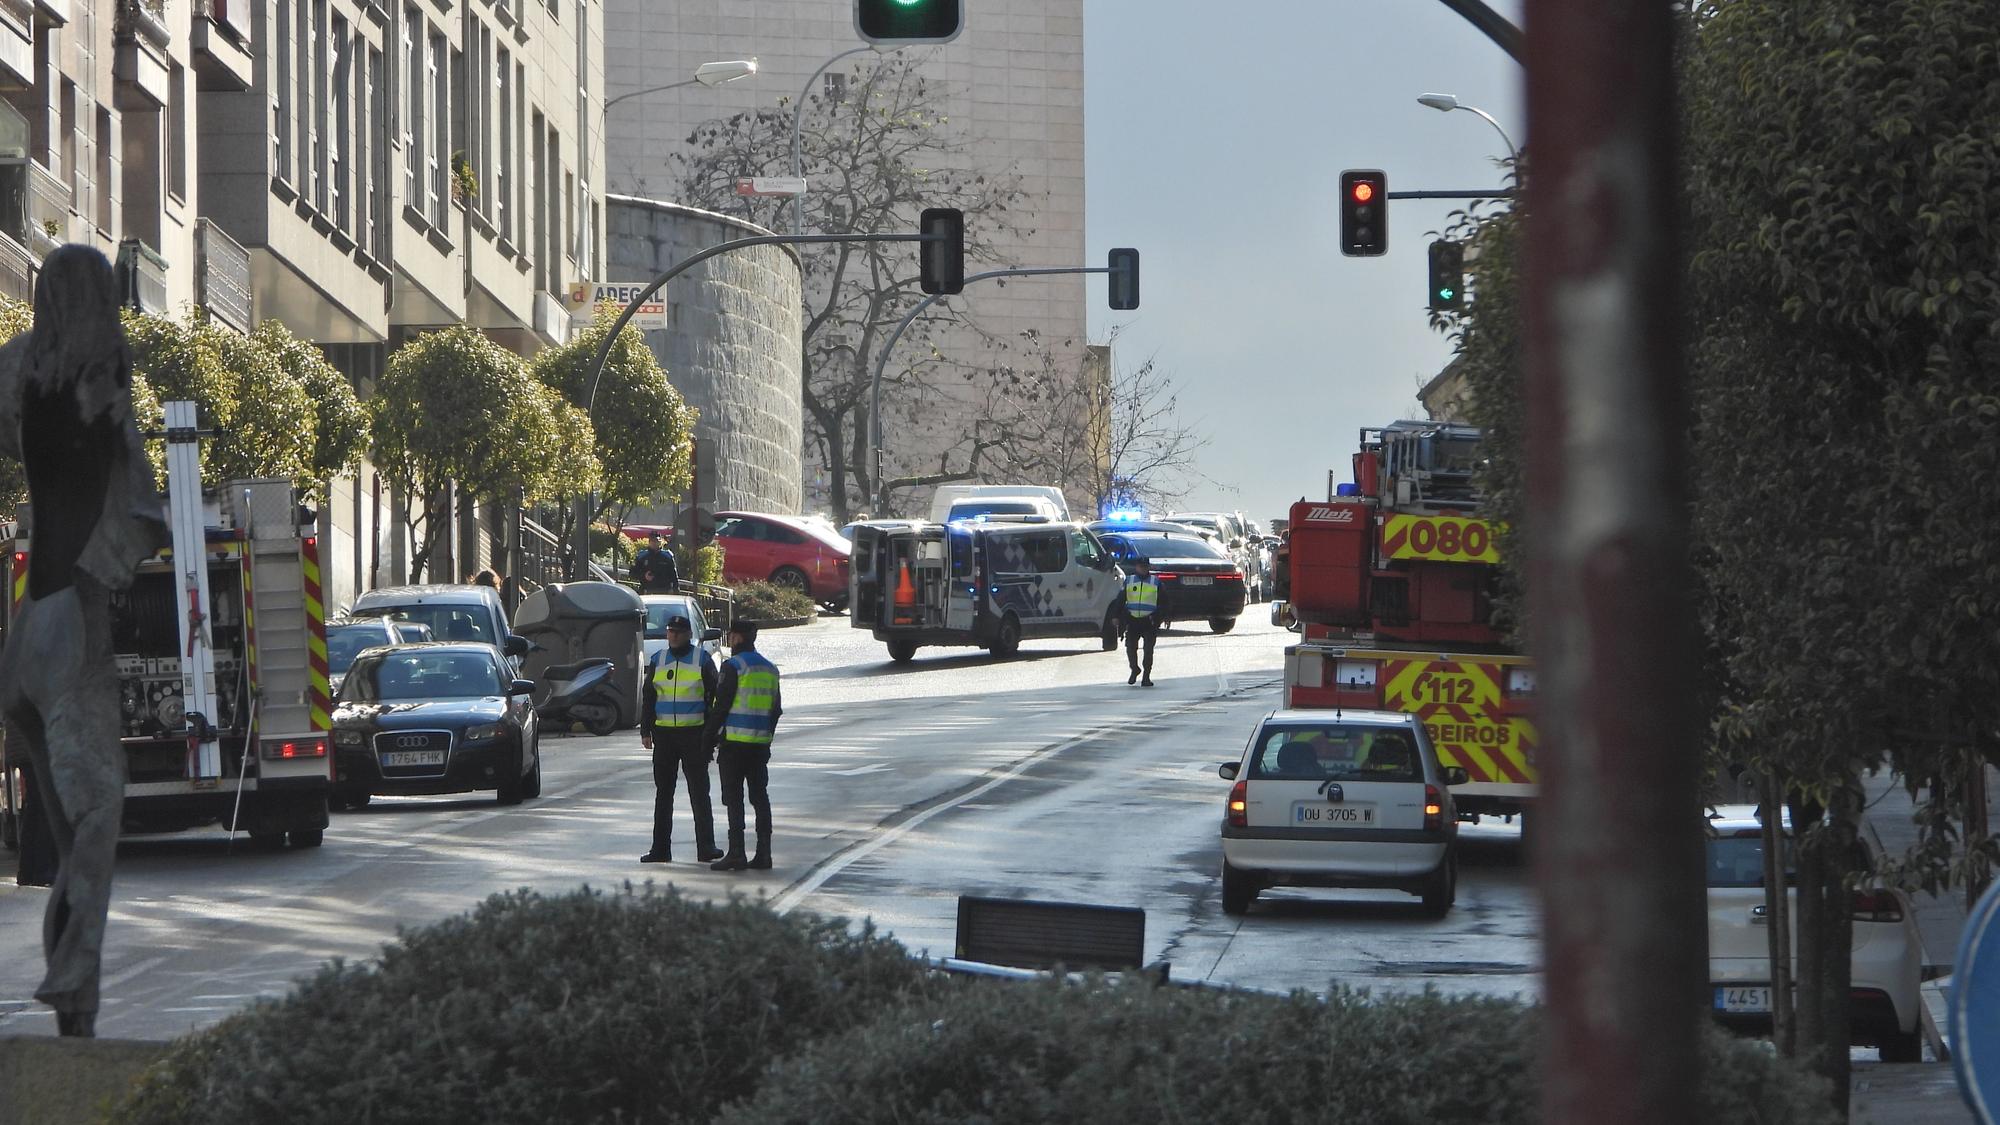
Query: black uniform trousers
{"points": [[1147, 627], [744, 765], [684, 749]]}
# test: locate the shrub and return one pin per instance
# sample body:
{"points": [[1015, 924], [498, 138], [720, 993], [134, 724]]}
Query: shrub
{"points": [[637, 1006], [763, 601], [1051, 1052], [707, 566]]}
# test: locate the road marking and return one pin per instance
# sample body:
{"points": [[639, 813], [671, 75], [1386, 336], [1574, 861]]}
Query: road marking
{"points": [[859, 770]]}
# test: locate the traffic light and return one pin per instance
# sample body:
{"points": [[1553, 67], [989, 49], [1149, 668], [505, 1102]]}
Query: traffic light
{"points": [[1447, 276], [941, 256], [1364, 213], [1124, 279], [909, 21]]}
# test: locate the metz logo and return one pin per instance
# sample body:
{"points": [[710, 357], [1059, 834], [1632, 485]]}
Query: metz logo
{"points": [[1330, 515]]}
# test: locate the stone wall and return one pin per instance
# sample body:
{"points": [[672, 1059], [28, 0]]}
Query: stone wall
{"points": [[731, 347]]}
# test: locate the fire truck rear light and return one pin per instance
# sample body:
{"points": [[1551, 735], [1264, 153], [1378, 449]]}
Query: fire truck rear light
{"points": [[1239, 806], [1877, 906], [1433, 809], [20, 557], [286, 749]]}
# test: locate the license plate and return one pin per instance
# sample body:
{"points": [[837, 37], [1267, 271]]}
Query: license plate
{"points": [[1312, 813], [1737, 999], [413, 758], [1197, 580]]}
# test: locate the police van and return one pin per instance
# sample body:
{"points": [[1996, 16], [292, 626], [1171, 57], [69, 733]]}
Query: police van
{"points": [[989, 583]]}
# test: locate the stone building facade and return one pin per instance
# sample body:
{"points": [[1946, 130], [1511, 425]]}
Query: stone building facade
{"points": [[731, 348]]}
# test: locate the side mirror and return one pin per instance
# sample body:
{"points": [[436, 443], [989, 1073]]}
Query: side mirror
{"points": [[515, 645], [1226, 771], [521, 687], [1456, 775], [711, 635]]}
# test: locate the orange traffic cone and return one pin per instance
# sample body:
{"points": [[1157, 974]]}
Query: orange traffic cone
{"points": [[906, 597]]}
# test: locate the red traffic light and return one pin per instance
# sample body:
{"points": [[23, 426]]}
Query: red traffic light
{"points": [[1363, 192]]}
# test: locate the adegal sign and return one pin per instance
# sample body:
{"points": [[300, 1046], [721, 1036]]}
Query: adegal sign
{"points": [[586, 296]]}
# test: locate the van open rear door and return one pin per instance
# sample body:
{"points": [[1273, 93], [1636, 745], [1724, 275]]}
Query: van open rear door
{"points": [[866, 577], [961, 587]]}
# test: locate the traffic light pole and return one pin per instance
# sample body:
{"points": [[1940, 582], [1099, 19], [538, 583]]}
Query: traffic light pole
{"points": [[631, 309], [882, 361], [1496, 193]]}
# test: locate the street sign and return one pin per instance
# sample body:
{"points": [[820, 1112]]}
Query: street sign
{"points": [[770, 185], [1975, 997], [585, 296]]}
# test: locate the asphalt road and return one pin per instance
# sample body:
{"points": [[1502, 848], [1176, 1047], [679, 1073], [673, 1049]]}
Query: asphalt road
{"points": [[896, 788]]}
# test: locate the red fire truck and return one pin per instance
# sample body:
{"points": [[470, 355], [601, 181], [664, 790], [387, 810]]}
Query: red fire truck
{"points": [[1390, 581]]}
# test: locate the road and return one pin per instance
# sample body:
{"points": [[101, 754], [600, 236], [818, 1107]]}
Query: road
{"points": [[896, 788]]}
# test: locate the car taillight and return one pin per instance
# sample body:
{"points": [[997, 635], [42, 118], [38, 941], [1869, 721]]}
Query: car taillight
{"points": [[1235, 575], [1165, 575], [284, 749], [1239, 806], [1877, 906], [1433, 809]]}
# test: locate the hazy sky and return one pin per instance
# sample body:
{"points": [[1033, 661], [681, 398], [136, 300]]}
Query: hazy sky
{"points": [[1216, 133]]}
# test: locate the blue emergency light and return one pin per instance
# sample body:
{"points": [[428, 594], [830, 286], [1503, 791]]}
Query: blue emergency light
{"points": [[1126, 515]]}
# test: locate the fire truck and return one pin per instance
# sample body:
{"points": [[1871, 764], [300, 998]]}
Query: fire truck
{"points": [[1390, 582], [222, 672]]}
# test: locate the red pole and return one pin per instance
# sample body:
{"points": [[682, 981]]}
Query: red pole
{"points": [[1619, 853]]}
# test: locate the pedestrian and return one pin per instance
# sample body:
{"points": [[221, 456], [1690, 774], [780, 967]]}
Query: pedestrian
{"points": [[680, 686], [487, 578], [740, 725], [656, 569], [1142, 618]]}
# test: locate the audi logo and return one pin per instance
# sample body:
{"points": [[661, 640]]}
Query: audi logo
{"points": [[412, 741]]}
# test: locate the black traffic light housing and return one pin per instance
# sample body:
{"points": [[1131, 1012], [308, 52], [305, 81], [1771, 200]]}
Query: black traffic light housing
{"points": [[909, 21], [1447, 276], [941, 256], [1124, 279], [1364, 213]]}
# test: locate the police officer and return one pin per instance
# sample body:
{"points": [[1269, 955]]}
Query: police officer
{"points": [[655, 569], [1142, 618], [680, 685], [740, 724]]}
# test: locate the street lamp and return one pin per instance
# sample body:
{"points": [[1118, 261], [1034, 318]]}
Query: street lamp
{"points": [[707, 74], [798, 120], [1445, 103]]}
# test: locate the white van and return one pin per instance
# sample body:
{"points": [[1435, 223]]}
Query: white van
{"points": [[974, 500], [987, 584]]}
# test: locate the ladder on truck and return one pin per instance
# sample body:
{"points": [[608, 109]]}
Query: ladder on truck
{"points": [[189, 528]]}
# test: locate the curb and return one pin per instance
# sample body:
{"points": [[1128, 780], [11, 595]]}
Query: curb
{"points": [[781, 622]]}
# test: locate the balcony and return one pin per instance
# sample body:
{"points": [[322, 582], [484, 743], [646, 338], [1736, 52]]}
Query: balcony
{"points": [[52, 13], [142, 278], [222, 275], [139, 64], [219, 46]]}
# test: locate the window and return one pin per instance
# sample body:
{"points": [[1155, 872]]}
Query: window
{"points": [[1045, 551], [1085, 550], [303, 103], [104, 151], [318, 105], [741, 529], [1171, 547], [1738, 861], [412, 110], [340, 94], [177, 168], [1336, 752], [281, 102], [503, 180], [782, 535], [438, 119], [835, 86]]}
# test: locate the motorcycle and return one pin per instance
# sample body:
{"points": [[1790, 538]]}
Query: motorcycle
{"points": [[568, 694]]}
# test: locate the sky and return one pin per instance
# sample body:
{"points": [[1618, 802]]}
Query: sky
{"points": [[1214, 144]]}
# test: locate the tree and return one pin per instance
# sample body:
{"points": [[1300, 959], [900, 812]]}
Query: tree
{"points": [[455, 407], [340, 425], [876, 157], [643, 430], [262, 416]]}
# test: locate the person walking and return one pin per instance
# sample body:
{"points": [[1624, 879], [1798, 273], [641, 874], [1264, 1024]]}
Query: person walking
{"points": [[741, 724], [655, 568], [1142, 618], [680, 685]]}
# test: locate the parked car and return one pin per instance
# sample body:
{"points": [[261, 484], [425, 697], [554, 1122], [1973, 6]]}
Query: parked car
{"points": [[1887, 959], [451, 612], [789, 551], [1020, 499], [435, 718], [346, 640], [1340, 799], [1231, 534], [1197, 581], [660, 607]]}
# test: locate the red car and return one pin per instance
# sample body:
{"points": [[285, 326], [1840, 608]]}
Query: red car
{"points": [[786, 550]]}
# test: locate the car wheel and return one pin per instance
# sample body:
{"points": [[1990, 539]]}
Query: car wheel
{"points": [[532, 787], [307, 837], [1110, 637], [1007, 640], [791, 578], [360, 799], [1441, 889], [509, 791], [902, 652], [1903, 1047], [1239, 891], [1221, 624]]}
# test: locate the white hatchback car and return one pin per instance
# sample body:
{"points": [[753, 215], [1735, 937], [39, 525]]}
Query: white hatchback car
{"points": [[1887, 960], [1340, 799]]}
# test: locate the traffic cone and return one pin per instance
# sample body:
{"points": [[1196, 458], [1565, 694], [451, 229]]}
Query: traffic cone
{"points": [[906, 597]]}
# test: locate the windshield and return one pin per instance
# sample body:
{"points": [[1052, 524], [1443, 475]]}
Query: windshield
{"points": [[1167, 547], [1738, 861], [1336, 752], [658, 612], [422, 674], [345, 642], [973, 509], [445, 622]]}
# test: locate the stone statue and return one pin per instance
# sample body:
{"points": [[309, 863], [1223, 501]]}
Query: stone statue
{"points": [[66, 413]]}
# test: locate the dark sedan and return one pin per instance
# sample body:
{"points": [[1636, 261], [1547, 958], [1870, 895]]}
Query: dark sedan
{"points": [[1197, 581], [434, 718]]}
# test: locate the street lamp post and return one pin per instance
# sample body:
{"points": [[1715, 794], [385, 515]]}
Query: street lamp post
{"points": [[1445, 103], [798, 122]]}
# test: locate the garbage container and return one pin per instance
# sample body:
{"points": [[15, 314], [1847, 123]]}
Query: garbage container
{"points": [[571, 621]]}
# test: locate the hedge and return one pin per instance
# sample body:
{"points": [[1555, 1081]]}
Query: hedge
{"points": [[764, 601]]}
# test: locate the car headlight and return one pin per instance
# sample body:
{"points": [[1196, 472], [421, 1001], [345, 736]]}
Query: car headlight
{"points": [[352, 739], [485, 732]]}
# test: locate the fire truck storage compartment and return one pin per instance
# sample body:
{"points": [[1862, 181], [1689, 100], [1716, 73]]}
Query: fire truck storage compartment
{"points": [[1331, 553], [145, 634]]}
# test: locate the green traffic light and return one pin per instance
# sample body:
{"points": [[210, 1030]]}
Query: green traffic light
{"points": [[906, 3], [1446, 294]]}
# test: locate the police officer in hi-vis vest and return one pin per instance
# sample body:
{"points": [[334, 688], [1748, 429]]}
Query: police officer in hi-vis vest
{"points": [[743, 719], [1142, 618], [680, 685]]}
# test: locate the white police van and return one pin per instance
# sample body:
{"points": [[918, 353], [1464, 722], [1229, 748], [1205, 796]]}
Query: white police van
{"points": [[989, 583]]}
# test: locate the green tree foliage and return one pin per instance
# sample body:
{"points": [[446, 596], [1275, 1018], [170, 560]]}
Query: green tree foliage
{"points": [[262, 416], [340, 425], [643, 430], [16, 317]]}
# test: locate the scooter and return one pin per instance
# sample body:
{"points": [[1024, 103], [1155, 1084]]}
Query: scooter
{"points": [[578, 693]]}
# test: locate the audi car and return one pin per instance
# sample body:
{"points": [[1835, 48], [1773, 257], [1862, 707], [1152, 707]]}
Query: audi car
{"points": [[1197, 581], [434, 718]]}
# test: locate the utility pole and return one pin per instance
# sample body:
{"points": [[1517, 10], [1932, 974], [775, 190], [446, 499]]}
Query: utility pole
{"points": [[1619, 848]]}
